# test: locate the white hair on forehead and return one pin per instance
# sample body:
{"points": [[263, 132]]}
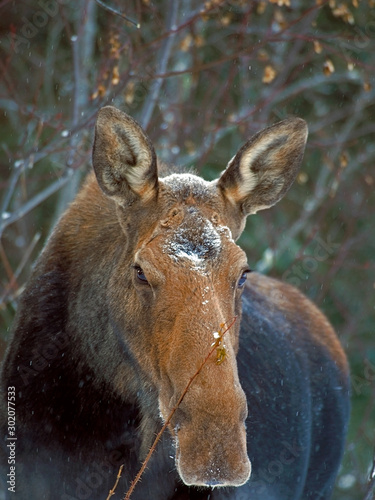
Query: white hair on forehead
{"points": [[197, 241]]}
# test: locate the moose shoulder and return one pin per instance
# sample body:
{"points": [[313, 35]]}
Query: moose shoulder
{"points": [[125, 302]]}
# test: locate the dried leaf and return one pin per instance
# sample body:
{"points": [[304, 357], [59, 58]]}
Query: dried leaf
{"points": [[367, 86], [226, 19], [343, 12], [344, 159], [115, 46], [115, 76], [186, 43], [211, 4], [317, 47], [220, 354], [269, 74], [328, 67], [100, 92], [281, 3], [261, 7], [369, 180], [280, 19]]}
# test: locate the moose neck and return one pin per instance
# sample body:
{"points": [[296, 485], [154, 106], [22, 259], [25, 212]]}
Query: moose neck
{"points": [[82, 246]]}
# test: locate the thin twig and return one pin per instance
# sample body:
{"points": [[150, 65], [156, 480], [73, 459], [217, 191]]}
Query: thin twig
{"points": [[17, 170], [370, 493], [166, 423], [114, 11], [13, 278], [161, 64], [7, 266], [112, 491], [28, 206]]}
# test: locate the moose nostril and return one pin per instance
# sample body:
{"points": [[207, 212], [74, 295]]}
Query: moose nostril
{"points": [[213, 482]]}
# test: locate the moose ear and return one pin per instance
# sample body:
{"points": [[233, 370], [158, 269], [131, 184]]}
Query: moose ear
{"points": [[265, 167], [124, 159]]}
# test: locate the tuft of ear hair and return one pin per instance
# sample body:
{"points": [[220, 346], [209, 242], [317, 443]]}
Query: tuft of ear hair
{"points": [[124, 159], [265, 167]]}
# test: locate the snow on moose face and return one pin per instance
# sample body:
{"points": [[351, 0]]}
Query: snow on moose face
{"points": [[196, 269], [196, 241]]}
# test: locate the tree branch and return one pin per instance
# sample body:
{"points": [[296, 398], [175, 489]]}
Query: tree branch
{"points": [[161, 64], [117, 13]]}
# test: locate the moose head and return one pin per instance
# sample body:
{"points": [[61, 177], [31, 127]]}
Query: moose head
{"points": [[180, 276]]}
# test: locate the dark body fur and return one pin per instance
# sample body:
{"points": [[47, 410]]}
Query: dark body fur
{"points": [[85, 405]]}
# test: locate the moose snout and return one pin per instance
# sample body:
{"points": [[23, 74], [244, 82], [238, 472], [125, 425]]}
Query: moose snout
{"points": [[210, 438], [212, 457], [208, 422]]}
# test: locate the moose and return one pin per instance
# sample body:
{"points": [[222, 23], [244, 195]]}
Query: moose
{"points": [[139, 279]]}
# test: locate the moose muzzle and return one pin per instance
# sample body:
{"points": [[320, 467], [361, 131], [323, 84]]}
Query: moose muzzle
{"points": [[209, 429], [212, 453]]}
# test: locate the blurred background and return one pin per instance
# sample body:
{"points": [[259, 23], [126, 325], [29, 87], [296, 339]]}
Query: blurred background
{"points": [[201, 78]]}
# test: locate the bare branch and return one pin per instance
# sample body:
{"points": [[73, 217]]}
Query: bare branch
{"points": [[34, 202], [161, 64], [117, 13], [370, 492], [13, 278], [112, 491]]}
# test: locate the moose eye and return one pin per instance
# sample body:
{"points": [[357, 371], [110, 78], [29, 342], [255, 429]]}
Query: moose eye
{"points": [[140, 275], [242, 280]]}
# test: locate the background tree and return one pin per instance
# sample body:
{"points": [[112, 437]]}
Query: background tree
{"points": [[201, 78]]}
